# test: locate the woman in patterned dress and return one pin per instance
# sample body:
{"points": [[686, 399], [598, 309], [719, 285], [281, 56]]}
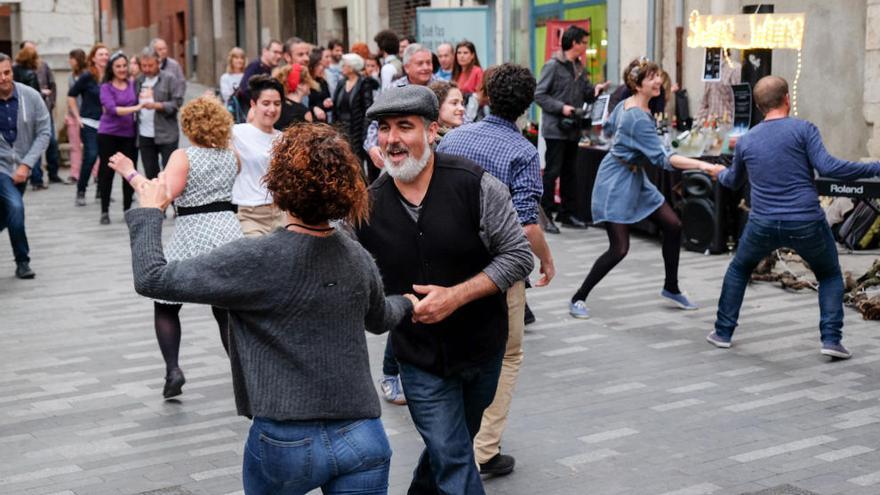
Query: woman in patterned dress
{"points": [[200, 178]]}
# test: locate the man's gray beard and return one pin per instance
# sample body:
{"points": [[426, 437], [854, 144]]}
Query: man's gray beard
{"points": [[409, 168]]}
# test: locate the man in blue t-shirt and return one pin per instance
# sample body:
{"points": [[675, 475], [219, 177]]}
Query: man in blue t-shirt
{"points": [[778, 157]]}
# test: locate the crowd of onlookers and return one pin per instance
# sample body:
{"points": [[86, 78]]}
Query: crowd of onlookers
{"points": [[113, 94]]}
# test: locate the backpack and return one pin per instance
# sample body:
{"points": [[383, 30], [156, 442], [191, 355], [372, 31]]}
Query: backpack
{"points": [[233, 104], [860, 230], [398, 66]]}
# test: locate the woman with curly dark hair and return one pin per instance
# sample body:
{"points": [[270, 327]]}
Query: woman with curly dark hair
{"points": [[200, 179], [300, 299]]}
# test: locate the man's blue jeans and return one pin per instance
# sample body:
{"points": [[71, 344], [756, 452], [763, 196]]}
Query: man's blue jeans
{"points": [[389, 363], [814, 242], [447, 412], [349, 457], [12, 215]]}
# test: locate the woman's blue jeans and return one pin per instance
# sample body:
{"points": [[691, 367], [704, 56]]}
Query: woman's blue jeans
{"points": [[814, 242], [294, 457], [89, 138]]}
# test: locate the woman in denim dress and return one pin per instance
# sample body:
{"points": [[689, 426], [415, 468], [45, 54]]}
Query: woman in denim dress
{"points": [[623, 194]]}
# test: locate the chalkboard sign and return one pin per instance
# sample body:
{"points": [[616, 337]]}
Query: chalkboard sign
{"points": [[712, 65], [742, 105]]}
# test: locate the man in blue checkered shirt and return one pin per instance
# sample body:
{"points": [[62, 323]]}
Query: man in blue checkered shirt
{"points": [[496, 144]]}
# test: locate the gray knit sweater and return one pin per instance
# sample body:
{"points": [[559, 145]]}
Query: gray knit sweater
{"points": [[298, 306]]}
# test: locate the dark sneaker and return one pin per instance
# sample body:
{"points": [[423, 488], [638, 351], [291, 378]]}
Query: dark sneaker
{"points": [[718, 341], [528, 317], [392, 390], [55, 180], [551, 227], [23, 270], [837, 351], [80, 199], [105, 219], [173, 383], [500, 465]]}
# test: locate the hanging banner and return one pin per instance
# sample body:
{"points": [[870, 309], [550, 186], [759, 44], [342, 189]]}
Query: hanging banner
{"points": [[554, 34]]}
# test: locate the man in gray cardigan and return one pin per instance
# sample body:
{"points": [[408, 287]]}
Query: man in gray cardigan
{"points": [[562, 89], [162, 96], [24, 136]]}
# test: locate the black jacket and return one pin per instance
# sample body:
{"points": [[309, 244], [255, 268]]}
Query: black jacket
{"points": [[360, 99], [562, 83], [28, 77]]}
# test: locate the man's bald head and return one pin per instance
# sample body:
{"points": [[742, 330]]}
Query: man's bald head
{"points": [[771, 93]]}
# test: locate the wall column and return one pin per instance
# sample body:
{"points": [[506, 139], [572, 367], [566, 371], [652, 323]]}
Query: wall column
{"points": [[872, 75]]}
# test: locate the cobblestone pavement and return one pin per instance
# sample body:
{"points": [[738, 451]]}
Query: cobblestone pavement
{"points": [[632, 401]]}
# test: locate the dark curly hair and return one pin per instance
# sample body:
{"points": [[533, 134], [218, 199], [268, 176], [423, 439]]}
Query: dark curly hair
{"points": [[388, 42], [637, 71], [264, 82], [314, 175], [511, 89]]}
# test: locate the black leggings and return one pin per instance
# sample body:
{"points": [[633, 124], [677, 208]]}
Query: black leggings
{"points": [[109, 145], [167, 322], [618, 238]]}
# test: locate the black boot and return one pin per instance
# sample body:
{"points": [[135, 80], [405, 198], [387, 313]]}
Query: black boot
{"points": [[173, 383]]}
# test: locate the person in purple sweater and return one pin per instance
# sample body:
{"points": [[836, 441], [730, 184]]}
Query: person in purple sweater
{"points": [[779, 157], [116, 130]]}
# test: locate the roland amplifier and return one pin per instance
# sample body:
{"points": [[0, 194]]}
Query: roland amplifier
{"points": [[703, 218]]}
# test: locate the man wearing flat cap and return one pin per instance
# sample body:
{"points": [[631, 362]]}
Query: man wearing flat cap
{"points": [[443, 228]]}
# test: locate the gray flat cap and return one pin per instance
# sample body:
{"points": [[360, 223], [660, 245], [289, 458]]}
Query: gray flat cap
{"points": [[405, 100]]}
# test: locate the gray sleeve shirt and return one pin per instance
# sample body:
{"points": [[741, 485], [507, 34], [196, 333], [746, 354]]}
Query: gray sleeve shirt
{"points": [[501, 233]]}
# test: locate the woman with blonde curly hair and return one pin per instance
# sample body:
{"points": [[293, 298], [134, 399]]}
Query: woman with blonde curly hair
{"points": [[300, 299], [200, 180]]}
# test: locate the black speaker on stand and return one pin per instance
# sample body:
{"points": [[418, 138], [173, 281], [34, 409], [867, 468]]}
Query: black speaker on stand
{"points": [[703, 219]]}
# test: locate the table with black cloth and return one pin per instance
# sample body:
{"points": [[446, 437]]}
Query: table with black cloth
{"points": [[668, 183]]}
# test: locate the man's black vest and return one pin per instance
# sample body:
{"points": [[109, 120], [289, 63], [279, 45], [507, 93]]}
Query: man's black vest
{"points": [[444, 248]]}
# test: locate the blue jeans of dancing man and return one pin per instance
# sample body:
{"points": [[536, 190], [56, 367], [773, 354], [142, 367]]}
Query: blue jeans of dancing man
{"points": [[814, 242], [447, 412], [12, 215], [53, 157], [294, 457]]}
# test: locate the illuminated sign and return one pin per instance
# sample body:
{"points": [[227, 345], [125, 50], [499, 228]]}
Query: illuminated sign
{"points": [[745, 31]]}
